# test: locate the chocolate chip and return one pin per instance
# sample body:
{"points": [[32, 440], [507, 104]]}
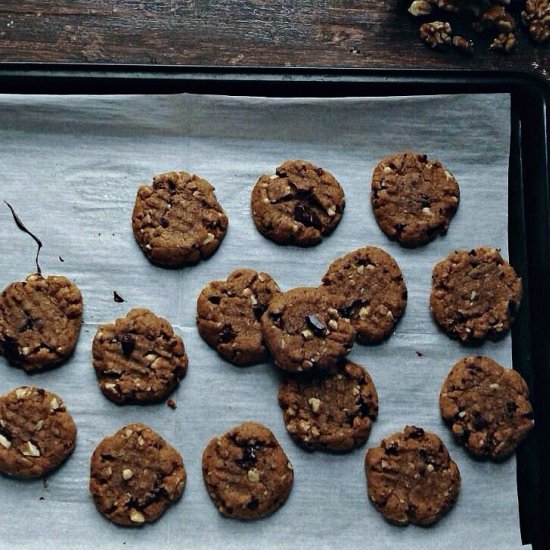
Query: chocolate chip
{"points": [[391, 449], [249, 457], [214, 299], [399, 227], [258, 311], [11, 350], [417, 433], [128, 344], [479, 423], [420, 354], [164, 222], [305, 215], [117, 297], [425, 200], [364, 408], [227, 333], [511, 407], [316, 325], [346, 311], [253, 504]]}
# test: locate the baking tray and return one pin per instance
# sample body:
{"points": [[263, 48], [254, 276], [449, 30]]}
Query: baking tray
{"points": [[528, 200]]}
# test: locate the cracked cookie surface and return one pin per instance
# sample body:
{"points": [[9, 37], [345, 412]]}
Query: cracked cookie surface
{"points": [[37, 433], [411, 478], [333, 412], [177, 220], [246, 472], [413, 198], [475, 295], [40, 321], [374, 290], [303, 329], [229, 313], [135, 475], [487, 407], [300, 204], [138, 358]]}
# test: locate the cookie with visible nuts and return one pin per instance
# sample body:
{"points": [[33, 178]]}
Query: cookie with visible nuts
{"points": [[177, 220], [138, 358], [334, 412], [246, 472], [135, 475], [487, 407], [37, 433], [372, 284], [411, 478], [229, 313], [299, 205], [40, 321], [304, 330], [475, 295], [413, 198]]}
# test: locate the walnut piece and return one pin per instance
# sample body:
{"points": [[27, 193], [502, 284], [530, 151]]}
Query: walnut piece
{"points": [[463, 44], [498, 18], [536, 17], [504, 42], [420, 7], [437, 34]]}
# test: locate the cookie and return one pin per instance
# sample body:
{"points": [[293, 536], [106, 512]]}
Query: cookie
{"points": [[246, 472], [475, 295], [138, 358], [178, 221], [37, 433], [411, 478], [40, 322], [487, 407], [229, 313], [334, 412], [372, 284], [135, 475], [303, 329], [413, 198], [299, 205]]}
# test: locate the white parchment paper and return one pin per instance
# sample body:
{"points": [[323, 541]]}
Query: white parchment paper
{"points": [[70, 166]]}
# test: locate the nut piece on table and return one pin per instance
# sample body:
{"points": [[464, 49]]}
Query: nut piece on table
{"points": [[504, 42], [496, 17], [536, 17], [420, 7], [436, 35], [463, 44]]}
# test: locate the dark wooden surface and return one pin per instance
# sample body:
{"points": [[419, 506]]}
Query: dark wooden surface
{"points": [[323, 33]]}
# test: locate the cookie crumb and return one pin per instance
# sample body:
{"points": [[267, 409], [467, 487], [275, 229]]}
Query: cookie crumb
{"points": [[172, 404]]}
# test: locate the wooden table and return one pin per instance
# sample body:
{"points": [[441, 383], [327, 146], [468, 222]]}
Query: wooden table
{"points": [[274, 33]]}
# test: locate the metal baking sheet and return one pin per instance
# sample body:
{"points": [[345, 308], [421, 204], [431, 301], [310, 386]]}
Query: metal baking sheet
{"points": [[71, 166]]}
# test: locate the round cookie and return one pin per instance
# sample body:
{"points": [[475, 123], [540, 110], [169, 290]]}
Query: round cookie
{"points": [[299, 205], [487, 407], [178, 221], [246, 472], [138, 358], [332, 412], [135, 475], [37, 433], [303, 329], [229, 313], [413, 198], [372, 284], [411, 478], [475, 295], [40, 322]]}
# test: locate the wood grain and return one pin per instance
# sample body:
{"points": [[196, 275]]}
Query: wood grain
{"points": [[274, 33]]}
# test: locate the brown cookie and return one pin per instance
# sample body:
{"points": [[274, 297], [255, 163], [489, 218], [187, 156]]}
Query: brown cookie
{"points": [[37, 433], [178, 221], [332, 412], [487, 407], [475, 295], [299, 205], [413, 198], [246, 472], [229, 313], [411, 477], [40, 322], [372, 284], [303, 329], [135, 475], [138, 358]]}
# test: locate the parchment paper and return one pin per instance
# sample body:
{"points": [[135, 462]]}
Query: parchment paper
{"points": [[70, 166]]}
